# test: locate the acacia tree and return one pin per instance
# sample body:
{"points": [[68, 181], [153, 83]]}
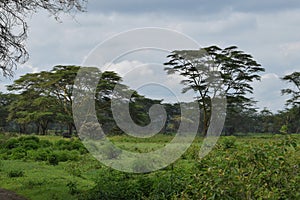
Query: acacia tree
{"points": [[48, 97], [291, 114], [5, 101], [13, 26], [293, 78], [44, 97], [32, 105], [236, 68]]}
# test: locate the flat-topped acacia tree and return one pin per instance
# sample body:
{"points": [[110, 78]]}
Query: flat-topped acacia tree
{"points": [[236, 70]]}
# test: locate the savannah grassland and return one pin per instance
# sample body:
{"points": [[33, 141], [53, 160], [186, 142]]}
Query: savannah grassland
{"points": [[251, 167]]}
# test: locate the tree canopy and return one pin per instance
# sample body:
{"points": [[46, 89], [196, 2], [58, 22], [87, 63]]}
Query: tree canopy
{"points": [[236, 70], [293, 78]]}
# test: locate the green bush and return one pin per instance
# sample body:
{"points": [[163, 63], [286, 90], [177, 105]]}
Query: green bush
{"points": [[52, 159], [228, 142], [63, 145], [30, 145], [67, 155], [62, 156], [17, 153], [114, 185], [70, 145], [73, 188], [26, 142], [12, 143], [45, 144], [15, 173], [110, 151], [29, 138], [41, 154]]}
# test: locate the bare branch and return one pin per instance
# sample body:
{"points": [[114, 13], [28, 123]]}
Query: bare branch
{"points": [[13, 27]]}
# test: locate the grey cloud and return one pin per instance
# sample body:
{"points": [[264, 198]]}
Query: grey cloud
{"points": [[268, 30], [190, 7]]}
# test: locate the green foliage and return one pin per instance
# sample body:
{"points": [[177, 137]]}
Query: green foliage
{"points": [[70, 145], [114, 185], [45, 143], [17, 153], [73, 188], [284, 129], [41, 154], [263, 168], [260, 167], [53, 159], [29, 138], [64, 155], [233, 67], [15, 173], [228, 142], [12, 143], [293, 78], [110, 151], [32, 148]]}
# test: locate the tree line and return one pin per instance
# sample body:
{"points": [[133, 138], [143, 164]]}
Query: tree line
{"points": [[39, 102]]}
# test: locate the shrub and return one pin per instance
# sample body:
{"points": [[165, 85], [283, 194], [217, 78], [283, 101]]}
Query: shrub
{"points": [[73, 188], [45, 144], [67, 155], [15, 173], [30, 144], [71, 145], [41, 154], [110, 151], [52, 159], [12, 143], [114, 185], [228, 142], [18, 153], [74, 169], [142, 165], [62, 156], [29, 138], [62, 144]]}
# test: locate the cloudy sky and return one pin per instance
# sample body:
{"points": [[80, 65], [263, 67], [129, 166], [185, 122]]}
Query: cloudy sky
{"points": [[267, 29]]}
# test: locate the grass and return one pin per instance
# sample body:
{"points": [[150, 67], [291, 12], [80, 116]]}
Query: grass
{"points": [[41, 181]]}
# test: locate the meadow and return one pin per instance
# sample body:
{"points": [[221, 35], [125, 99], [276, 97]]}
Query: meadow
{"points": [[242, 167]]}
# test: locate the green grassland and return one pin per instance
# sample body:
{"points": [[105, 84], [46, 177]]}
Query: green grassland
{"points": [[50, 167]]}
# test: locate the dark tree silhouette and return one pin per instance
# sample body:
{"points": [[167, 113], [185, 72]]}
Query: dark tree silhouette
{"points": [[13, 26], [293, 78]]}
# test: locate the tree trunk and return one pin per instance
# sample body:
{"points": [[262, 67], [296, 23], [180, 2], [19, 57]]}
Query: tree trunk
{"points": [[22, 128], [37, 128], [44, 128], [70, 127], [205, 122]]}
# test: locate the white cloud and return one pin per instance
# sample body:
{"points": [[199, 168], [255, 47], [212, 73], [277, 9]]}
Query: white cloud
{"points": [[268, 92], [151, 80], [2, 87], [289, 48], [268, 31]]}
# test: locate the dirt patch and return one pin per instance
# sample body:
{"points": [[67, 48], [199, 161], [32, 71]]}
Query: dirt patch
{"points": [[9, 195]]}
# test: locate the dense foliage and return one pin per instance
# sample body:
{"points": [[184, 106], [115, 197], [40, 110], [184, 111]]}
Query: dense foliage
{"points": [[261, 167], [32, 148], [209, 70], [42, 103]]}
